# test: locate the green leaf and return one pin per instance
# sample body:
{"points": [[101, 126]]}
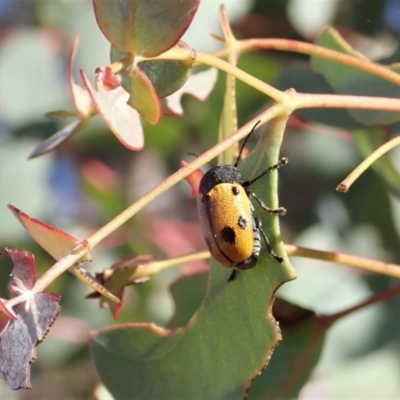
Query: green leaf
{"points": [[58, 138], [299, 76], [188, 293], [60, 114], [225, 345], [227, 341], [295, 358], [166, 76], [143, 97], [144, 27], [352, 81]]}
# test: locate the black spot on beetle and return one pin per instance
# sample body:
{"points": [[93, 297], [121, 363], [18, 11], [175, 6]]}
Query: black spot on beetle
{"points": [[242, 222], [228, 235], [235, 190]]}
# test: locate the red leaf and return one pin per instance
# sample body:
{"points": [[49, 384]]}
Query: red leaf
{"points": [[55, 241], [34, 318]]}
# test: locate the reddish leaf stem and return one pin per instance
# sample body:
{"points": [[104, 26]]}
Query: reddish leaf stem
{"points": [[384, 295], [365, 264], [317, 51], [363, 166]]}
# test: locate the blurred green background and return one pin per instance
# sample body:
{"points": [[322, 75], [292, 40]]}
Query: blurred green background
{"points": [[361, 358]]}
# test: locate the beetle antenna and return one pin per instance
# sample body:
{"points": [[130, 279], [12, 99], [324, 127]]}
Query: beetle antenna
{"points": [[280, 163], [244, 143]]}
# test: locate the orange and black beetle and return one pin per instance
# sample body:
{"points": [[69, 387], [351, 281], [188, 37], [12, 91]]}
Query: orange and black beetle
{"points": [[230, 229]]}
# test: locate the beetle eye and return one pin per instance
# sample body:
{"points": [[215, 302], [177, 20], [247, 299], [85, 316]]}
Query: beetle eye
{"points": [[235, 190]]}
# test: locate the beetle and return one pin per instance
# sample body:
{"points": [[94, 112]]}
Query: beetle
{"points": [[231, 231]]}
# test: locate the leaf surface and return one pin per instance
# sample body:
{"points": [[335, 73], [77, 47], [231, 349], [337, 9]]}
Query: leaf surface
{"points": [[353, 81], [55, 241], [34, 318], [144, 27], [122, 119], [226, 342]]}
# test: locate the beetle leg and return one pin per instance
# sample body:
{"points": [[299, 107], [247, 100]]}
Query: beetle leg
{"points": [[269, 248], [280, 210], [232, 276]]}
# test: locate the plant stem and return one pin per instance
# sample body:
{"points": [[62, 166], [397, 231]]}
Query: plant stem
{"points": [[363, 166], [203, 58], [365, 264], [317, 51], [263, 87], [311, 100], [156, 266], [384, 295], [293, 100], [228, 121]]}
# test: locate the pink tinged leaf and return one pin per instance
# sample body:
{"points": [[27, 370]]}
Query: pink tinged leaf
{"points": [[7, 310], [122, 119], [18, 342], [58, 138], [55, 241], [198, 85], [81, 98], [24, 271], [58, 244], [144, 27], [33, 320], [144, 97], [5, 318], [84, 110]]}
